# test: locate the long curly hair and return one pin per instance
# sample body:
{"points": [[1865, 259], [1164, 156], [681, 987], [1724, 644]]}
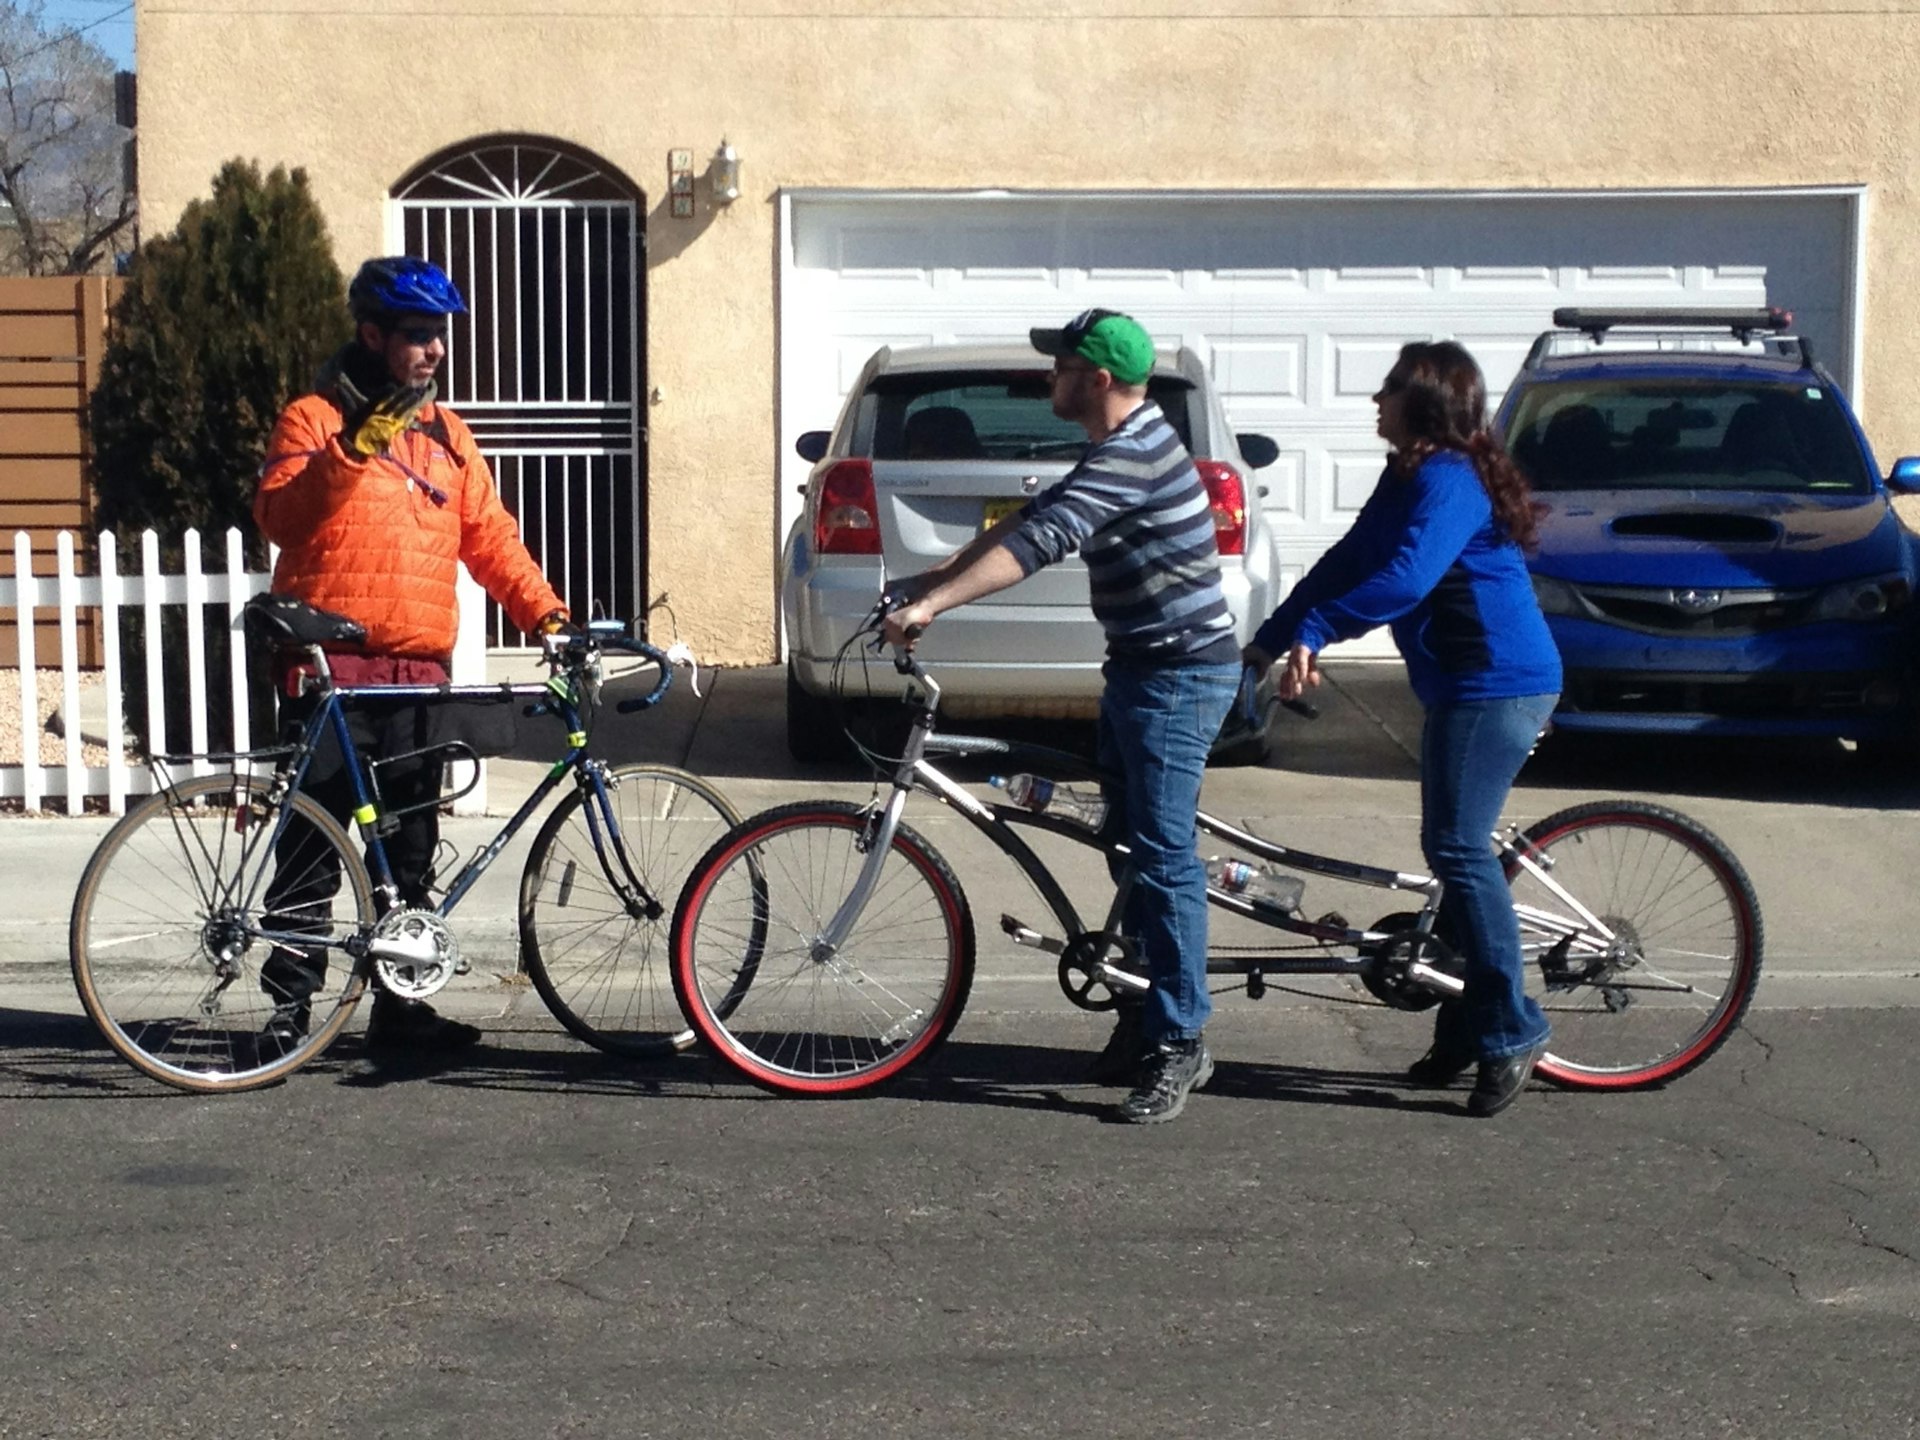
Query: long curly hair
{"points": [[1445, 408]]}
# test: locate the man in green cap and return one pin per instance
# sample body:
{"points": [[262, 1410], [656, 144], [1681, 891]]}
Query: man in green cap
{"points": [[1137, 511]]}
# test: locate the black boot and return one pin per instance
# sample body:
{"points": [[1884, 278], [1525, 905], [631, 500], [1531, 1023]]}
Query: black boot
{"points": [[398, 1024], [1119, 1060]]}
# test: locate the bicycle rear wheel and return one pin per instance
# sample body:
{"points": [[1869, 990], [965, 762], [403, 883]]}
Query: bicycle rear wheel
{"points": [[599, 963], [1668, 981], [170, 938], [762, 993]]}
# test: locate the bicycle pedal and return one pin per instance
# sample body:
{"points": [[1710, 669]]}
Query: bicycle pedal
{"points": [[1117, 979], [1018, 932]]}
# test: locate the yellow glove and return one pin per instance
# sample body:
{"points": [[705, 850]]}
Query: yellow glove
{"points": [[371, 428], [552, 623]]}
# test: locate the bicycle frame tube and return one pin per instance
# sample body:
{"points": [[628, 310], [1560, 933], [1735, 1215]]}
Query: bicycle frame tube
{"points": [[1588, 933]]}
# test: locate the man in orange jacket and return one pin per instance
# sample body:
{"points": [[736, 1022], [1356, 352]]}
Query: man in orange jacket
{"points": [[373, 493]]}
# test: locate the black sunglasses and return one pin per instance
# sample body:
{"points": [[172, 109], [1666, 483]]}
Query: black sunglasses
{"points": [[422, 335]]}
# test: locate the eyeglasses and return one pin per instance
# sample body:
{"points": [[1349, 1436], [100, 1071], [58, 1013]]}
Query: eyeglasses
{"points": [[421, 335], [1060, 367]]}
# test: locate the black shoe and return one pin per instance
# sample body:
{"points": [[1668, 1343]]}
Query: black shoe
{"points": [[1171, 1071], [1119, 1061], [398, 1024], [1500, 1082], [282, 1033], [1439, 1068]]}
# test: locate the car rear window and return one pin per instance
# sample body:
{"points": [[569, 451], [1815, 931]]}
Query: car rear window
{"points": [[987, 415], [1668, 434]]}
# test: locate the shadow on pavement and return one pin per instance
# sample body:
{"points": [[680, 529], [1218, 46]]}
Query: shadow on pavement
{"points": [[986, 1073], [45, 1055], [1369, 728], [1793, 772]]}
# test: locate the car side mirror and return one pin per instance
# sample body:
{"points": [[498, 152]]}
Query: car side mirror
{"points": [[1259, 451], [1905, 475], [812, 445]]}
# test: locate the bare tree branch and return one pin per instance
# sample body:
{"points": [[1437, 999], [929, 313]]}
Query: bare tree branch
{"points": [[60, 150]]}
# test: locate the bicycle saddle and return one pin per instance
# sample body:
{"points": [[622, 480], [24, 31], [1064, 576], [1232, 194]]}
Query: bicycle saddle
{"points": [[285, 620]]}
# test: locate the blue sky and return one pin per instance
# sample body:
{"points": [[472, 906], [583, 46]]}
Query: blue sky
{"points": [[111, 22]]}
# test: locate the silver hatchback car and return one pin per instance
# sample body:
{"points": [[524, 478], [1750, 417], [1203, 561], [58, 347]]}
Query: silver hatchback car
{"points": [[933, 445]]}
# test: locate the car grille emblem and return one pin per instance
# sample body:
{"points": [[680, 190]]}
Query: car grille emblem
{"points": [[1696, 602]]}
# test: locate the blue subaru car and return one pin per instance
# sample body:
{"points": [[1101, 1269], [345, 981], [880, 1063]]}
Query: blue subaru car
{"points": [[1717, 551]]}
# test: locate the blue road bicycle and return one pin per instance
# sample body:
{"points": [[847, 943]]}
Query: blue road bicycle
{"points": [[198, 904]]}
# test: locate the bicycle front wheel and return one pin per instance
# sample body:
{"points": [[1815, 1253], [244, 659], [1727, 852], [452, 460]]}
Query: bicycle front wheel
{"points": [[596, 956], [192, 926], [772, 1001], [1642, 939]]}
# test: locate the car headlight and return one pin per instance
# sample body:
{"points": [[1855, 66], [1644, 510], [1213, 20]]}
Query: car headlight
{"points": [[1556, 597], [1870, 599]]}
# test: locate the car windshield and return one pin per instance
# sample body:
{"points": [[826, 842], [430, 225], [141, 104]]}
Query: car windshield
{"points": [[1686, 435], [986, 415]]}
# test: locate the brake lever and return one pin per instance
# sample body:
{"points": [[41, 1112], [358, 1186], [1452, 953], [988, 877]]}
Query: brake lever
{"points": [[681, 653]]}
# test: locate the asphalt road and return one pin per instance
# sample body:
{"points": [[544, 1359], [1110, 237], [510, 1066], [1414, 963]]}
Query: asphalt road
{"points": [[541, 1242]]}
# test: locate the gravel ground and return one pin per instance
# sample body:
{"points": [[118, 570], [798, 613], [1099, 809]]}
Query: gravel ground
{"points": [[53, 749]]}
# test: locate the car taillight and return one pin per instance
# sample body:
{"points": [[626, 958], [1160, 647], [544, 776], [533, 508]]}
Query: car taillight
{"points": [[1229, 499], [845, 513]]}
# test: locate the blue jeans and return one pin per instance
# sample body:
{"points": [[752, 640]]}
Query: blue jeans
{"points": [[1157, 723], [1469, 753]]}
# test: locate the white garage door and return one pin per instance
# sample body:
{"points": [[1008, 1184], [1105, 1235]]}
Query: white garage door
{"points": [[1298, 303]]}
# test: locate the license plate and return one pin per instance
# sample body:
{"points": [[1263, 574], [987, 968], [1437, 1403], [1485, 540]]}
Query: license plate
{"points": [[997, 510]]}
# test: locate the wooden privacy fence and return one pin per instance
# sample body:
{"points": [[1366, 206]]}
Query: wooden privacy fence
{"points": [[100, 600], [53, 333]]}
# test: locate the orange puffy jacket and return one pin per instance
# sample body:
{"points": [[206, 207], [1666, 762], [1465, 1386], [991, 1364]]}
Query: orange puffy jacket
{"points": [[376, 540]]}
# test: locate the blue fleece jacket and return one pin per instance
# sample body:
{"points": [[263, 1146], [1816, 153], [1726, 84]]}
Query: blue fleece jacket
{"points": [[1425, 557]]}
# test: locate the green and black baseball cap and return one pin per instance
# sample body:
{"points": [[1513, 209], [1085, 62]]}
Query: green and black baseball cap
{"points": [[1116, 343]]}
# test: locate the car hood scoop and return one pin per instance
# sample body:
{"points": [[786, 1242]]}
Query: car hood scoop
{"points": [[1707, 527]]}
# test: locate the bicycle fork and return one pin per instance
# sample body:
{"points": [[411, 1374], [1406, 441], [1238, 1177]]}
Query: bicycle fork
{"points": [[876, 839]]}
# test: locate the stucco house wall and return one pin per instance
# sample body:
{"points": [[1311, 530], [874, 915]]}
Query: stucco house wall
{"points": [[1284, 94]]}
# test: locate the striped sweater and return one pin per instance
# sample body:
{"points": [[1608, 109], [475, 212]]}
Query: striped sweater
{"points": [[1139, 514]]}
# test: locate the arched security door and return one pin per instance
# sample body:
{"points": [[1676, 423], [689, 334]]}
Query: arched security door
{"points": [[546, 243]]}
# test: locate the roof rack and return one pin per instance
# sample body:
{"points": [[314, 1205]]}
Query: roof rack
{"points": [[1768, 324]]}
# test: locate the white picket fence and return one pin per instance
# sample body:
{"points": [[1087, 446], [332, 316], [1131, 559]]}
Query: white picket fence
{"points": [[109, 592]]}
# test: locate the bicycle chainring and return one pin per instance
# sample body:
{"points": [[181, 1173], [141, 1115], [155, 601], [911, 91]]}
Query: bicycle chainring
{"points": [[433, 958], [1388, 963], [1081, 953]]}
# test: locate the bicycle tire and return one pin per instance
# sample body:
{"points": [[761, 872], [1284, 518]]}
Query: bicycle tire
{"points": [[601, 970], [134, 947], [810, 1026], [1688, 945]]}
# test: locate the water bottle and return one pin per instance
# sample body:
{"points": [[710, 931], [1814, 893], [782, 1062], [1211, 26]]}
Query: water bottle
{"points": [[1265, 889], [1069, 802]]}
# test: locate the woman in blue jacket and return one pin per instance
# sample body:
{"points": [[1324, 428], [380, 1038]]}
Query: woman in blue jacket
{"points": [[1436, 553]]}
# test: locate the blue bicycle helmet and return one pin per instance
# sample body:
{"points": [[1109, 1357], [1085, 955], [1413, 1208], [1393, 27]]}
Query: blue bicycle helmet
{"points": [[402, 285]]}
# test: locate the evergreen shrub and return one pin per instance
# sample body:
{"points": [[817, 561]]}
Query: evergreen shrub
{"points": [[221, 323]]}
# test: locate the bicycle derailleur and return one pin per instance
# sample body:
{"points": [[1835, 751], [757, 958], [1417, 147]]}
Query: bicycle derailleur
{"points": [[414, 952], [1388, 974]]}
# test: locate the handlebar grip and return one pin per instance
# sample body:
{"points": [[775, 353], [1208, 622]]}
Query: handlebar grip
{"points": [[646, 652]]}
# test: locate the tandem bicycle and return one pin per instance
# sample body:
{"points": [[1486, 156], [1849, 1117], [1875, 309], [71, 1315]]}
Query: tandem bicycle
{"points": [[822, 948]]}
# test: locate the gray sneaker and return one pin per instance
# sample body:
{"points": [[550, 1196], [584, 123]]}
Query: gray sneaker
{"points": [[1171, 1071]]}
